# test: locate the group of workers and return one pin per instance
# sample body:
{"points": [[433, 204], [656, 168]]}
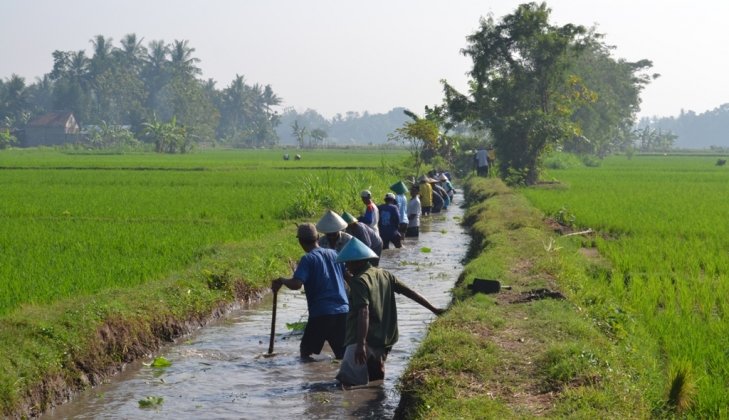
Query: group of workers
{"points": [[351, 301]]}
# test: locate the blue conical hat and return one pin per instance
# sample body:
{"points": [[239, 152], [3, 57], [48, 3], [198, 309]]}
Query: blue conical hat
{"points": [[355, 250]]}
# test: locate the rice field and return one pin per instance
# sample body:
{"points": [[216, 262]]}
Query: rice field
{"points": [[80, 223], [662, 223]]}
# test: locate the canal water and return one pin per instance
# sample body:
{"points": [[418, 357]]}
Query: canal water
{"points": [[218, 372]]}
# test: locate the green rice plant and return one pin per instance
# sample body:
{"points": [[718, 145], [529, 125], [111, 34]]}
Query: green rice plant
{"points": [[77, 224], [661, 225]]}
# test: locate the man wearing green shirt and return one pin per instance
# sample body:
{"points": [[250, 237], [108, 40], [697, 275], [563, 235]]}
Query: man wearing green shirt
{"points": [[372, 319]]}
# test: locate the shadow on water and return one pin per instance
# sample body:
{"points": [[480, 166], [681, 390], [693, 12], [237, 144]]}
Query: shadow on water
{"points": [[219, 373]]}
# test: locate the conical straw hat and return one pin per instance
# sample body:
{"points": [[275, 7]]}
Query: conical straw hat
{"points": [[331, 222]]}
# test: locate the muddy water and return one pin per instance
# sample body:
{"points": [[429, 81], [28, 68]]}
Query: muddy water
{"points": [[219, 373]]}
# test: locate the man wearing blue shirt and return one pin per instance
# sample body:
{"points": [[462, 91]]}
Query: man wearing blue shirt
{"points": [[323, 281]]}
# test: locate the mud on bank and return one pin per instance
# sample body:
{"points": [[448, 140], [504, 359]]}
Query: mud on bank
{"points": [[526, 352]]}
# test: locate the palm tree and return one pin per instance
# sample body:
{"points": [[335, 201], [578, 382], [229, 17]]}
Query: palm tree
{"points": [[154, 70], [101, 59], [132, 52], [182, 61]]}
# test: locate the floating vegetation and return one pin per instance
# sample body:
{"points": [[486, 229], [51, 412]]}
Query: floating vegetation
{"points": [[425, 249], [160, 362], [296, 326], [150, 402]]}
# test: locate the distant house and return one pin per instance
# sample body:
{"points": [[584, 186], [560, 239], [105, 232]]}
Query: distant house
{"points": [[57, 127]]}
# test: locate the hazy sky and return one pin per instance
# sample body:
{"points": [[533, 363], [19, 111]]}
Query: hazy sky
{"points": [[336, 56]]}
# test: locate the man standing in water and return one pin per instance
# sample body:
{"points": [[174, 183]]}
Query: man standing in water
{"points": [[372, 320], [323, 280]]}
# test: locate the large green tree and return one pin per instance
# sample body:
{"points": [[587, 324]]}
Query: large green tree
{"points": [[606, 123], [520, 88]]}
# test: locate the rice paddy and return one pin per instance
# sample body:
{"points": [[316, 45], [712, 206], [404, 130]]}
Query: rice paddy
{"points": [[662, 225], [76, 224]]}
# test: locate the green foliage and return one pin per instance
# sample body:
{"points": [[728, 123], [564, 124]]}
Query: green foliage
{"points": [[126, 84], [111, 137], [564, 217], [419, 136], [167, 137], [150, 401], [296, 326], [652, 140], [606, 122], [6, 139], [532, 86], [561, 161], [160, 362]]}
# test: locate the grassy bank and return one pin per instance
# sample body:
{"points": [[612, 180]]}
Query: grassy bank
{"points": [[529, 352], [51, 351]]}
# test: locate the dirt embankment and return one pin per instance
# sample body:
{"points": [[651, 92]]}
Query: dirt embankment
{"points": [[126, 326]]}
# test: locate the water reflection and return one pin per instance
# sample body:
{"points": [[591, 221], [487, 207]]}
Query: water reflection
{"points": [[219, 372]]}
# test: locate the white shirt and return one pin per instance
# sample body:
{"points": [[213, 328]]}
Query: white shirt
{"points": [[414, 209]]}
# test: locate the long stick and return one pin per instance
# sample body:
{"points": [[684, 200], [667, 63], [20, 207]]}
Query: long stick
{"points": [[273, 323]]}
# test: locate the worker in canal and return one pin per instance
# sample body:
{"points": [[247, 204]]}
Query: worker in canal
{"points": [[332, 226], [426, 194], [365, 234], [390, 222], [400, 189], [372, 320], [371, 215], [323, 280]]}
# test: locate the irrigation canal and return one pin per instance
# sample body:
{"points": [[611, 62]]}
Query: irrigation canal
{"points": [[217, 372]]}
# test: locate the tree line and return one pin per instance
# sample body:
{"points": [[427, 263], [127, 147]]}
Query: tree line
{"points": [[694, 131], [153, 91]]}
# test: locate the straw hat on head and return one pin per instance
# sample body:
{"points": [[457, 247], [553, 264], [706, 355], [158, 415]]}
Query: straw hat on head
{"points": [[348, 218], [399, 187], [331, 222], [355, 250], [365, 194], [443, 177], [390, 196]]}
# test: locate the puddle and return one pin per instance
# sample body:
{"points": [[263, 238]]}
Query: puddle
{"points": [[218, 372]]}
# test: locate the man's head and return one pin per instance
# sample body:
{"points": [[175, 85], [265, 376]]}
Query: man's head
{"points": [[307, 234], [414, 191], [366, 196], [390, 198]]}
